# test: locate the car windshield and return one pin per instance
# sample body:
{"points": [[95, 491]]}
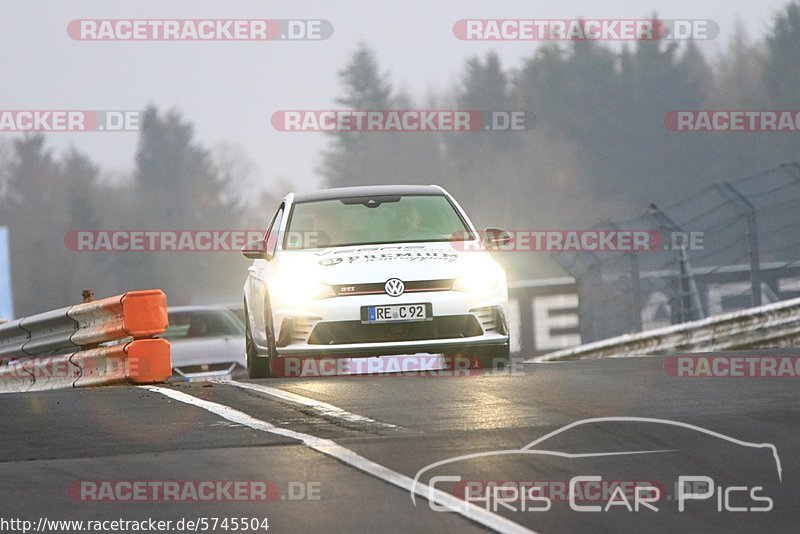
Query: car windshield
{"points": [[202, 323], [374, 220]]}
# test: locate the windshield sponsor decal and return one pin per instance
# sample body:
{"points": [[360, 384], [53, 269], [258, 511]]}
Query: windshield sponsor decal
{"points": [[373, 254]]}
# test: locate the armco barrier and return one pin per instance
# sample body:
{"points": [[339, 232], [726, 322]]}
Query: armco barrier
{"points": [[771, 325], [136, 314], [129, 321]]}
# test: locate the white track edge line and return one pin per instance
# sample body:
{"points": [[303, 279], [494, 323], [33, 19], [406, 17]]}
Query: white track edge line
{"points": [[322, 407], [331, 448]]}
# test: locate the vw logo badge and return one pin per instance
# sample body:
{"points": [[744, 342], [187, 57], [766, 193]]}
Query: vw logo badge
{"points": [[394, 287]]}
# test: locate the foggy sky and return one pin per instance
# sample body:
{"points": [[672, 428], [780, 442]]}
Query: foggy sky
{"points": [[229, 90]]}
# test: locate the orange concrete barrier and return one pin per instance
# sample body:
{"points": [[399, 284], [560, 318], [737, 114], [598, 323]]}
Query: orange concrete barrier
{"points": [[148, 361], [135, 314], [142, 361], [139, 315]]}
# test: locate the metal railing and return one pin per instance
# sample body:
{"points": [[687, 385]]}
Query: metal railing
{"points": [[61, 348], [747, 223], [770, 325]]}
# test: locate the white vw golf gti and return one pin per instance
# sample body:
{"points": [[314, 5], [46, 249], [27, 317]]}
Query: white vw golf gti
{"points": [[373, 271]]}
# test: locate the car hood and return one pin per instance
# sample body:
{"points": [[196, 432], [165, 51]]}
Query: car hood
{"points": [[378, 263]]}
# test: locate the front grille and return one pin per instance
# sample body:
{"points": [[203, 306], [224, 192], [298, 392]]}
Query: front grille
{"points": [[377, 288], [341, 332]]}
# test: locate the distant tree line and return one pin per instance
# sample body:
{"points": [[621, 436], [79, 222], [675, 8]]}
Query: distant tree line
{"points": [[599, 147], [176, 184]]}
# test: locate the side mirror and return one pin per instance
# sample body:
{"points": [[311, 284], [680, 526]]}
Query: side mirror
{"points": [[496, 237], [256, 250]]}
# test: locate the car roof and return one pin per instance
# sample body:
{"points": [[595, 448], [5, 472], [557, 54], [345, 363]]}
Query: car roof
{"points": [[368, 191]]}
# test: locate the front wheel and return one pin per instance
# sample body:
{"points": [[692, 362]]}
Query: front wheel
{"points": [[495, 358], [490, 358], [257, 366]]}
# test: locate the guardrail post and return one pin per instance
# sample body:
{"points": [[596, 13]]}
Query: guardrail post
{"points": [[636, 292], [87, 295], [689, 290], [747, 209], [689, 302]]}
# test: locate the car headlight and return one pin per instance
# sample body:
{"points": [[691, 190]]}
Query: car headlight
{"points": [[295, 289], [480, 278]]}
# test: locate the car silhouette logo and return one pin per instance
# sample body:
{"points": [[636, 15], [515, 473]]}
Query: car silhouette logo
{"points": [[394, 287]]}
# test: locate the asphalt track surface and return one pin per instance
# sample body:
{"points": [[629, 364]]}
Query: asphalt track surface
{"points": [[351, 443]]}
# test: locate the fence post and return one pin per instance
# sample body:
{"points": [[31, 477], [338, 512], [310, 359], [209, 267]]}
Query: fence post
{"points": [[691, 305], [87, 295], [751, 233]]}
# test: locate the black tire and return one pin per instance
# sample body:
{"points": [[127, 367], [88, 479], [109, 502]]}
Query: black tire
{"points": [[493, 358], [257, 366], [489, 358]]}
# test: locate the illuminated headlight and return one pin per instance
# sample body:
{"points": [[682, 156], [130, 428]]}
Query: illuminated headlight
{"points": [[480, 278], [297, 290]]}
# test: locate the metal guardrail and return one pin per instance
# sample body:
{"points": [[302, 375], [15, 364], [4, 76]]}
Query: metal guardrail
{"points": [[776, 324], [34, 346], [136, 314]]}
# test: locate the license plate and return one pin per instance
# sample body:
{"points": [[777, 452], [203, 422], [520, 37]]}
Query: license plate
{"points": [[396, 313]]}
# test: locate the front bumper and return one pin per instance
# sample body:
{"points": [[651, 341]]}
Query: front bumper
{"points": [[396, 347], [332, 327]]}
